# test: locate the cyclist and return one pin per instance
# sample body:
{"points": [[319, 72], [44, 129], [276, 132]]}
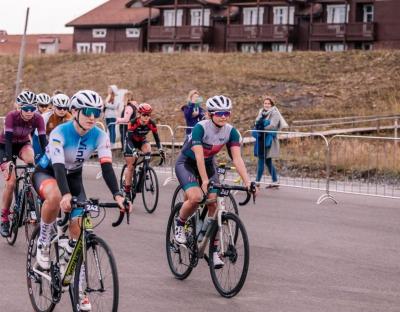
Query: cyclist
{"points": [[59, 114], [15, 142], [58, 175], [138, 128], [43, 104], [197, 160]]}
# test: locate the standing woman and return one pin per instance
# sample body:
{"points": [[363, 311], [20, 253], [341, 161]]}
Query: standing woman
{"points": [[192, 111], [267, 144], [110, 111], [128, 113]]}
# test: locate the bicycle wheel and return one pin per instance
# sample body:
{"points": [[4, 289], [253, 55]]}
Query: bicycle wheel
{"points": [[181, 259], [31, 215], [97, 277], [229, 279], [16, 213], [38, 286], [178, 197], [150, 190]]}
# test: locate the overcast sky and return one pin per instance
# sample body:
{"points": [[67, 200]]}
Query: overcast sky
{"points": [[45, 16]]}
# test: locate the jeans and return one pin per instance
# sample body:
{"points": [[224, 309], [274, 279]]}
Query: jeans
{"points": [[111, 128], [270, 166]]}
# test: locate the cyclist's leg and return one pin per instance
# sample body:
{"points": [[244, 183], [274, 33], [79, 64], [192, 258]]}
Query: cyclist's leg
{"points": [[27, 154], [146, 147], [130, 160]]}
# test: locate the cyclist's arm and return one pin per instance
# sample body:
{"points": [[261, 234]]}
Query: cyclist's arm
{"points": [[105, 158], [197, 148], [40, 126], [239, 164], [153, 129]]}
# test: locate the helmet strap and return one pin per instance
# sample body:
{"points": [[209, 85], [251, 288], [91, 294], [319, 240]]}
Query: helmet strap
{"points": [[78, 123], [215, 123]]}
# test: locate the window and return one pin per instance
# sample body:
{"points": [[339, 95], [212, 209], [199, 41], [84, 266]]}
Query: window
{"points": [[169, 48], [197, 48], [368, 13], [250, 16], [338, 14], [283, 15], [83, 47], [251, 47], [99, 33], [132, 32], [99, 47], [169, 18], [335, 47], [197, 17], [366, 46], [281, 47]]}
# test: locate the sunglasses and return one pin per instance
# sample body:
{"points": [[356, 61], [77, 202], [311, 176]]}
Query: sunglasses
{"points": [[28, 108], [222, 114], [146, 115], [62, 108], [43, 105], [89, 111]]}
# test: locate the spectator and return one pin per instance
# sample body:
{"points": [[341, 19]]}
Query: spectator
{"points": [[127, 114], [267, 144], [192, 111], [110, 111]]}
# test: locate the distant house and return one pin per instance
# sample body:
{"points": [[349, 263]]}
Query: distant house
{"points": [[36, 44], [115, 26]]}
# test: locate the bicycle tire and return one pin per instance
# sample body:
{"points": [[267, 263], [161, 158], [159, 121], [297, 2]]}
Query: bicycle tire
{"points": [[29, 223], [33, 280], [16, 216], [93, 258], [173, 249], [146, 188], [231, 257]]}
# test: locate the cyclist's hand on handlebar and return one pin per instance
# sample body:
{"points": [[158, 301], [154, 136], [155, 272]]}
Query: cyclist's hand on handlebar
{"points": [[123, 204], [162, 153], [65, 202], [252, 187]]}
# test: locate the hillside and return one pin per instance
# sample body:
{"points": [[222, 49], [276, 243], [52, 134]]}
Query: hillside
{"points": [[306, 84]]}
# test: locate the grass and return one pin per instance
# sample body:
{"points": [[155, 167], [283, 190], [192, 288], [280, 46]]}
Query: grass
{"points": [[306, 84]]}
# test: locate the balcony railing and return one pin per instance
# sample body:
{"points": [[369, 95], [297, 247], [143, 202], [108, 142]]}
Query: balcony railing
{"points": [[268, 32], [350, 31], [192, 33]]}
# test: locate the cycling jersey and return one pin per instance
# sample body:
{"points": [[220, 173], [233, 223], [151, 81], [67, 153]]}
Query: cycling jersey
{"points": [[211, 138], [21, 129], [67, 147], [51, 120], [137, 131]]}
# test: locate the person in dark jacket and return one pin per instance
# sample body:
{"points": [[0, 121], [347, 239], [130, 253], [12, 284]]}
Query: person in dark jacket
{"points": [[193, 111]]}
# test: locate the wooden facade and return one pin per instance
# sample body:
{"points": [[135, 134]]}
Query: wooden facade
{"points": [[250, 26]]}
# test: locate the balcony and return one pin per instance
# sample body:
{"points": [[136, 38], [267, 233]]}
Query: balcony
{"points": [[340, 32], [179, 33], [267, 32]]}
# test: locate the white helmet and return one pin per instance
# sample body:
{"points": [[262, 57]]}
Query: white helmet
{"points": [[26, 98], [219, 103], [86, 98], [43, 99], [61, 100]]}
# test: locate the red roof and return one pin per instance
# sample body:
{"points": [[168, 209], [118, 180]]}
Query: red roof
{"points": [[10, 44], [114, 12], [214, 2]]}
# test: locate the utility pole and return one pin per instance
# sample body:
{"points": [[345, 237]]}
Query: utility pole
{"points": [[21, 57]]}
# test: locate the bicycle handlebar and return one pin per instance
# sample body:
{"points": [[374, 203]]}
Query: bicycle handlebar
{"points": [[122, 214], [223, 187], [162, 156]]}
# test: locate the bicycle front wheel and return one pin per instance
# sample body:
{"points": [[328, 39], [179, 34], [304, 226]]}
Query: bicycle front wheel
{"points": [[32, 215], [39, 287], [150, 190], [16, 213], [232, 245], [97, 277], [178, 197]]}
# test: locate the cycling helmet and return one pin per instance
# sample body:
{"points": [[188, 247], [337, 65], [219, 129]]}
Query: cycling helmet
{"points": [[60, 100], [219, 103], [86, 98], [43, 99], [145, 108], [26, 98]]}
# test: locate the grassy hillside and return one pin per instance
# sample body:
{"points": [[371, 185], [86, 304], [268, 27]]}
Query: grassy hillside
{"points": [[306, 84]]}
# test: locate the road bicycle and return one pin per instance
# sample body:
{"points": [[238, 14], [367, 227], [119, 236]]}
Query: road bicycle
{"points": [[85, 268], [226, 231], [25, 210], [144, 180]]}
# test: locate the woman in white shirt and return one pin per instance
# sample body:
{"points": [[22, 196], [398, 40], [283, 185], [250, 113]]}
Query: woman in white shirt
{"points": [[111, 109]]}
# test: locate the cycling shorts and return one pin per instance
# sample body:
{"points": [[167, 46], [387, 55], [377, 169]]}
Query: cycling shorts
{"points": [[16, 150], [131, 146], [188, 175], [41, 177]]}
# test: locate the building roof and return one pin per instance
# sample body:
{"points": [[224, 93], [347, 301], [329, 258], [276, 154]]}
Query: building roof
{"points": [[155, 2], [10, 44], [114, 12]]}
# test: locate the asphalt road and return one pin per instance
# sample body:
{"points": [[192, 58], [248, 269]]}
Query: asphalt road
{"points": [[304, 257]]}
